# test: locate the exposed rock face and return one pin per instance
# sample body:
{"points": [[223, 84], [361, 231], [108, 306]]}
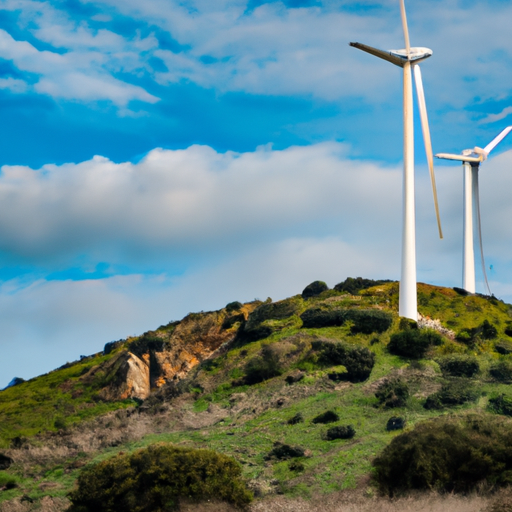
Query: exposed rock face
{"points": [[167, 354]]}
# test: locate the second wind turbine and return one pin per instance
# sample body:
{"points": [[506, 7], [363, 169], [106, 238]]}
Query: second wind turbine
{"points": [[408, 60]]}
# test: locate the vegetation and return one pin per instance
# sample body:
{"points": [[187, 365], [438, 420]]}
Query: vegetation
{"points": [[413, 343], [314, 289], [447, 454], [326, 417], [255, 399], [340, 432], [154, 479]]}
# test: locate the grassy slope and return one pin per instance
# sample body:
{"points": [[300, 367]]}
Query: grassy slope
{"points": [[256, 421]]}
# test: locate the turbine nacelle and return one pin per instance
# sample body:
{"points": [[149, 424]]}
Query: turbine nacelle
{"points": [[397, 57]]}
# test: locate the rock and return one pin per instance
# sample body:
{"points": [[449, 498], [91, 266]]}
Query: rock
{"points": [[395, 423], [5, 461], [314, 289]]}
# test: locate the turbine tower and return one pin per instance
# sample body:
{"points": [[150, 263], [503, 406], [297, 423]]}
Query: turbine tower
{"points": [[408, 60], [471, 159]]}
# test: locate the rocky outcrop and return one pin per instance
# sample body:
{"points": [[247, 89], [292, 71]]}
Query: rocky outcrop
{"points": [[167, 354]]}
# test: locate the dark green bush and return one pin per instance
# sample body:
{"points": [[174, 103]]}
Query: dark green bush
{"points": [[501, 371], [459, 365], [314, 289], [263, 367], [366, 321], [508, 329], [392, 393], [298, 418], [358, 361], [317, 318], [453, 392], [283, 451], [501, 404], [296, 465], [326, 417], [355, 285], [395, 423], [485, 331], [233, 306], [254, 328], [447, 454], [413, 343], [503, 347], [340, 432], [154, 479]]}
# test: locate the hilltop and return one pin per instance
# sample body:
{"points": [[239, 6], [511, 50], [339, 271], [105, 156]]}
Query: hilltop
{"points": [[256, 381]]}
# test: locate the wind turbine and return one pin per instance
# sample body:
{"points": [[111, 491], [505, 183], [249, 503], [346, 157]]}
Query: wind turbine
{"points": [[471, 159], [408, 59]]}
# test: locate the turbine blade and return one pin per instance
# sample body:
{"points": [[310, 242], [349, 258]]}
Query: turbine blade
{"points": [[476, 200], [382, 54], [406, 29], [427, 140], [497, 139], [460, 158]]}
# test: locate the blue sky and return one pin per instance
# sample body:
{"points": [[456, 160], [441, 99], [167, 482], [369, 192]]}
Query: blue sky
{"points": [[162, 157]]}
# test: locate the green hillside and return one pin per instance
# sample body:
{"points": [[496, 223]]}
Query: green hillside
{"points": [[262, 396]]}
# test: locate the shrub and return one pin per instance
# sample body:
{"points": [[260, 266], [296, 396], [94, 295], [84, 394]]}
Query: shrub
{"points": [[283, 451], [501, 371], [413, 343], [326, 417], [366, 321], [461, 291], [485, 331], [392, 393], [355, 285], [508, 329], [501, 404], [155, 478], [447, 454], [233, 306], [296, 465], [263, 367], [298, 418], [314, 289], [395, 423], [340, 432], [358, 361], [254, 329], [454, 392], [459, 365], [503, 347]]}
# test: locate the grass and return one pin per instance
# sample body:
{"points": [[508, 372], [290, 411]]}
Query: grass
{"points": [[252, 424]]}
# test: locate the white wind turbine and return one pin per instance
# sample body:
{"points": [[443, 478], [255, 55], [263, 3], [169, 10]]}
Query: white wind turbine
{"points": [[471, 159], [408, 60]]}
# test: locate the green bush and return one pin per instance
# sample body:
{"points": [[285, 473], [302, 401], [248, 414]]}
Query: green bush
{"points": [[298, 418], [485, 331], [340, 432], [413, 343], [501, 371], [154, 479], [355, 285], [508, 329], [501, 404], [314, 289], [326, 417], [254, 329], [459, 365], [283, 451], [366, 321], [233, 306], [503, 347], [263, 367], [454, 392], [392, 393], [447, 454], [358, 361]]}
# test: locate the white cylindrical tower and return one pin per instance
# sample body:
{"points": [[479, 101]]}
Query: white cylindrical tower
{"points": [[468, 258]]}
